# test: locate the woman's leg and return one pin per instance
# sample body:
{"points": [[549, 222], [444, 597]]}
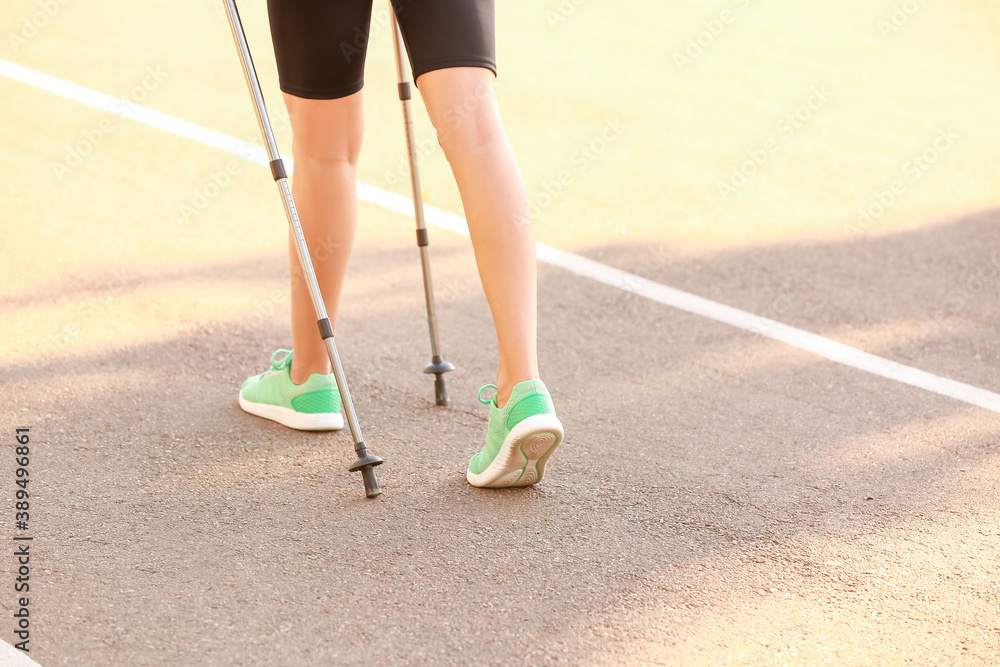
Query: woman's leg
{"points": [[326, 141], [462, 106]]}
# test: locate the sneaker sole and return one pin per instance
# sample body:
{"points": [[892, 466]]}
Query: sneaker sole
{"points": [[301, 421], [521, 460]]}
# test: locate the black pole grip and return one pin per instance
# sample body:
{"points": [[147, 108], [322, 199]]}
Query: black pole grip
{"points": [[278, 169], [325, 328]]}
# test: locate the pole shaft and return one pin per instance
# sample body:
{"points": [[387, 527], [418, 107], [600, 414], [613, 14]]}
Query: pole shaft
{"points": [[302, 249], [403, 76], [250, 73]]}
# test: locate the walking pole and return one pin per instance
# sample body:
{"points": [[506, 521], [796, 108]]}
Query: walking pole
{"points": [[365, 461], [438, 366]]}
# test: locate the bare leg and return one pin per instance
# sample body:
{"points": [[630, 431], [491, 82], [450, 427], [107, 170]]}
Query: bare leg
{"points": [[462, 106], [326, 141]]}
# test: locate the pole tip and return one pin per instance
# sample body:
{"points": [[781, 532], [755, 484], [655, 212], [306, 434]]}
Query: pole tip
{"points": [[440, 391], [372, 489]]}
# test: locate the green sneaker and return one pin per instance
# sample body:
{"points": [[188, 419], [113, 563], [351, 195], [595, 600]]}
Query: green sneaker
{"points": [[520, 439], [311, 406]]}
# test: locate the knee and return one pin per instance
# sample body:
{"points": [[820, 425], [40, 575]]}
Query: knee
{"points": [[469, 133], [327, 147], [326, 133], [470, 121], [463, 108], [321, 155]]}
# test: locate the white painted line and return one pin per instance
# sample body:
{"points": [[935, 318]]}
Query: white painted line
{"points": [[12, 657], [581, 266], [803, 340], [136, 112]]}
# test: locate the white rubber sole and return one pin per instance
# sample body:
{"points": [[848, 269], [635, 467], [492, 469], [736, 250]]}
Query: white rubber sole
{"points": [[324, 421], [521, 459]]}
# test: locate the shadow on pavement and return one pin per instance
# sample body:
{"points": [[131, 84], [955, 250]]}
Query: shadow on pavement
{"points": [[702, 465]]}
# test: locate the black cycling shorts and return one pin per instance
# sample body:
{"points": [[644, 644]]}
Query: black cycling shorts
{"points": [[320, 45]]}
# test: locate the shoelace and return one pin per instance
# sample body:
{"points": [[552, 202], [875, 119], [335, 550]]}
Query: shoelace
{"points": [[489, 400], [284, 362]]}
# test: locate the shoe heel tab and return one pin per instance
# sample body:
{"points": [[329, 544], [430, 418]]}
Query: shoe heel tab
{"points": [[528, 388]]}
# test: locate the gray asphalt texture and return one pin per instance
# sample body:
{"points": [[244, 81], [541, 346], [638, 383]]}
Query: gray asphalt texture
{"points": [[719, 497]]}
